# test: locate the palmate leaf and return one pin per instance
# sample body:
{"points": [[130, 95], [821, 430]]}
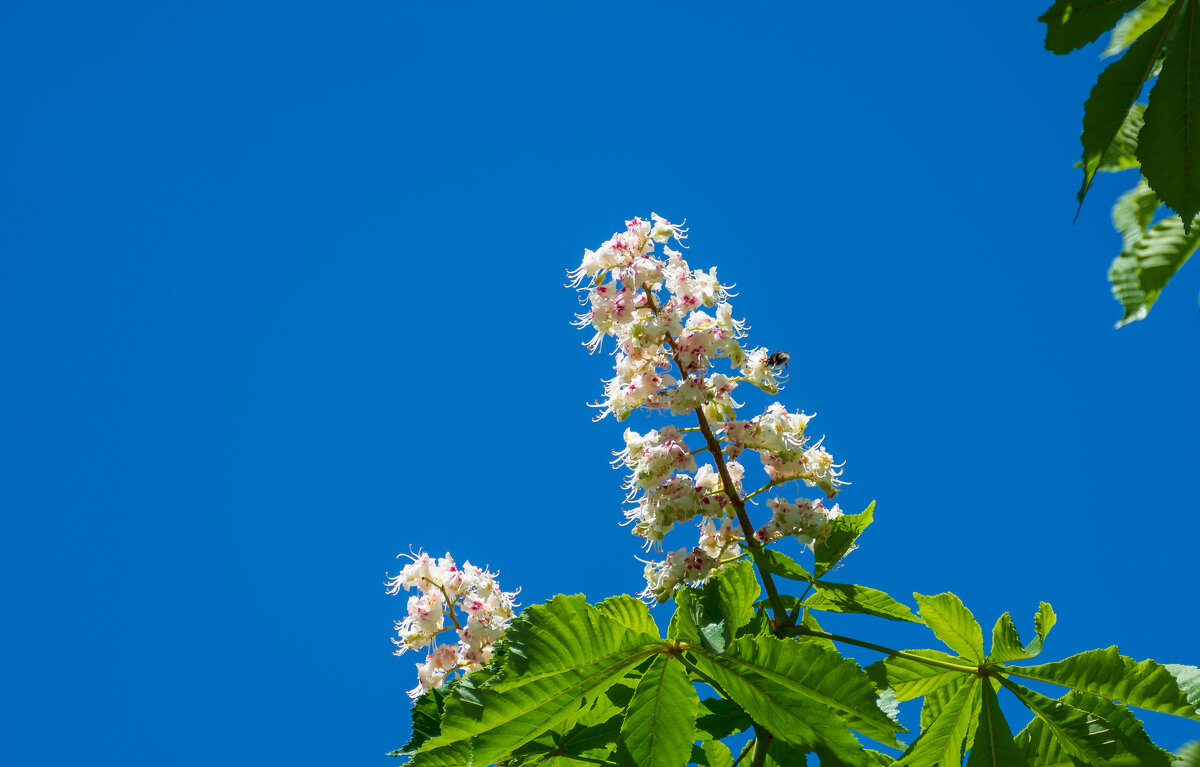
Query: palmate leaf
{"points": [[1134, 23], [952, 623], [848, 598], [659, 724], [559, 654], [1072, 24], [909, 678], [1109, 674], [944, 741], [1169, 145], [1085, 729], [844, 531], [993, 745], [1114, 93]]}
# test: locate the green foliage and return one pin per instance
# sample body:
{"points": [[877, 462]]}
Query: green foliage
{"points": [[580, 684], [1134, 23], [953, 623], [993, 745], [784, 566], [714, 613], [1151, 255], [848, 598], [1169, 149], [908, 677], [1189, 755], [659, 724], [840, 542], [944, 740], [1156, 39], [1111, 675], [1072, 24]]}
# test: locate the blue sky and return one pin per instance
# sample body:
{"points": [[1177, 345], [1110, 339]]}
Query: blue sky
{"points": [[281, 290]]}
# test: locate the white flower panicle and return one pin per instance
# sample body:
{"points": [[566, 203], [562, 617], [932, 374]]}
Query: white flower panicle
{"points": [[670, 324], [444, 590]]}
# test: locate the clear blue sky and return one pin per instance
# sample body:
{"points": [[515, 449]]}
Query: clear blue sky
{"points": [[281, 295]]}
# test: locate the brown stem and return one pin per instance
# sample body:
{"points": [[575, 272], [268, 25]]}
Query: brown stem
{"points": [[739, 507]]}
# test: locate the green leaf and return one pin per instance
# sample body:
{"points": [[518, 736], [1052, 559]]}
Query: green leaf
{"points": [[1043, 620], [786, 707], [1169, 145], [808, 619], [1189, 755], [1082, 728], [659, 724], [1188, 679], [716, 754], [1132, 745], [1133, 212], [1072, 24], [1006, 643], [1113, 95], [783, 566], [943, 743], [719, 718], [560, 654], [1109, 674], [631, 613], [993, 745], [910, 678], [1134, 24], [780, 754], [713, 614], [426, 721], [823, 676], [1122, 152], [936, 699], [1141, 272], [952, 623], [848, 598], [844, 531], [1061, 734]]}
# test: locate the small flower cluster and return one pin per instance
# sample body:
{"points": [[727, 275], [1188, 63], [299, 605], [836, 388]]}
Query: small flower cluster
{"points": [[778, 437], [809, 521], [442, 589], [670, 323]]}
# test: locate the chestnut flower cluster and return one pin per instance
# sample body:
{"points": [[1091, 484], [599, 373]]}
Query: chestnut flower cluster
{"points": [[443, 591], [670, 324]]}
